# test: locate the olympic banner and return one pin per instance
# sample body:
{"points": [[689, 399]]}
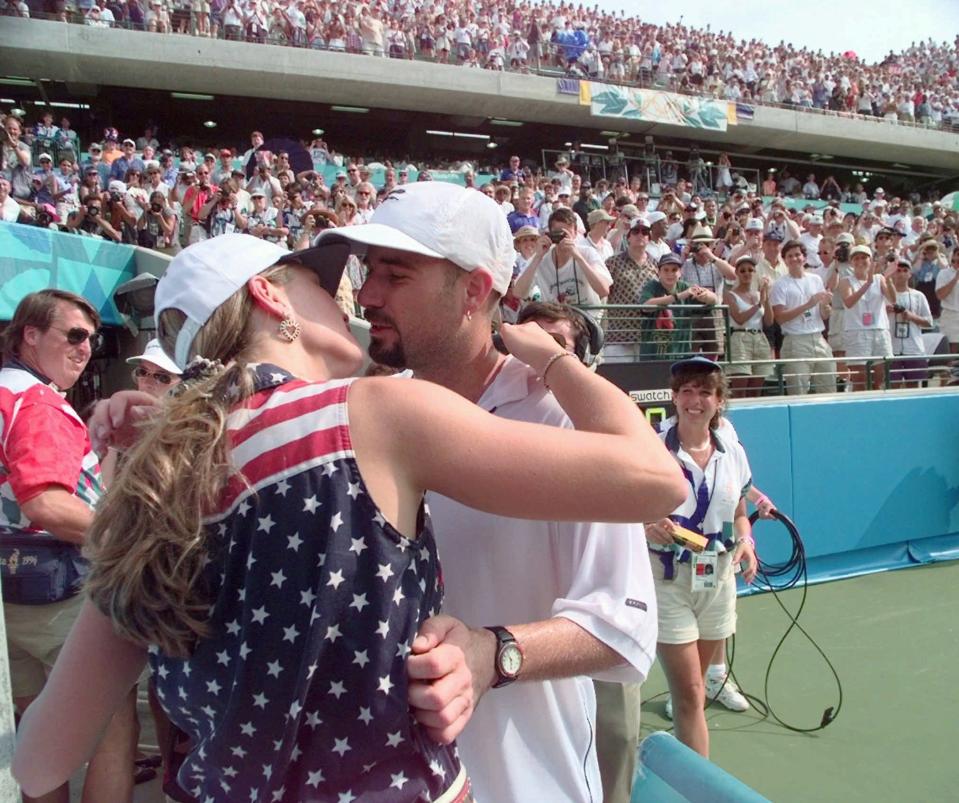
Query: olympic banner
{"points": [[656, 106]]}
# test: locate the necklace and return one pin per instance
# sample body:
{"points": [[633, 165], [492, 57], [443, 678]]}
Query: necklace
{"points": [[709, 445]]}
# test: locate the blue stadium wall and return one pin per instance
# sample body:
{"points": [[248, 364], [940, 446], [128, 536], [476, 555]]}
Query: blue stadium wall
{"points": [[871, 483]]}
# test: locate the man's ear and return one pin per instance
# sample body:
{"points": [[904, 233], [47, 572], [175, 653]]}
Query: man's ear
{"points": [[479, 285]]}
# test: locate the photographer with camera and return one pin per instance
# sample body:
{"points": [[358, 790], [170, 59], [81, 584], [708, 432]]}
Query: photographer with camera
{"points": [[221, 215], [122, 219], [561, 268], [197, 194], [89, 220], [911, 315], [156, 227]]}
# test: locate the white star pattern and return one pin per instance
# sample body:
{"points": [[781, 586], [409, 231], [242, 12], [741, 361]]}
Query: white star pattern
{"points": [[296, 753], [244, 651], [250, 560], [398, 595], [233, 628], [385, 684], [437, 769], [335, 578], [384, 572], [294, 542], [402, 650], [278, 579], [310, 505], [360, 658], [333, 633], [353, 490], [260, 615], [295, 709], [399, 780], [282, 487], [329, 469], [162, 671], [223, 658], [247, 729], [383, 628], [313, 720], [357, 545], [243, 509], [365, 716], [291, 634], [213, 687], [359, 602], [378, 519], [337, 689], [268, 771], [265, 524], [314, 779], [336, 522], [346, 797], [260, 700], [394, 739], [307, 597], [341, 746], [273, 668], [229, 772], [278, 794]]}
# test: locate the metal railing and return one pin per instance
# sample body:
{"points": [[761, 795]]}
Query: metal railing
{"points": [[647, 334], [550, 63]]}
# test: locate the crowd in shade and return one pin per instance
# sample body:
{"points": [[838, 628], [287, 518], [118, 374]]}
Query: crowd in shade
{"points": [[919, 84]]}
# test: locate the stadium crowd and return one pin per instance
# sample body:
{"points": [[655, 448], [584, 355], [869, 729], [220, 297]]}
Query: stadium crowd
{"points": [[918, 85], [612, 243]]}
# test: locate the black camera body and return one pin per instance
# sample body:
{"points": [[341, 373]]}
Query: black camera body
{"points": [[842, 252]]}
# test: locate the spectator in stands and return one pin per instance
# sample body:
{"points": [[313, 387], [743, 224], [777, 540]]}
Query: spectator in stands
{"points": [[264, 221], [565, 272], [667, 333], [598, 224], [523, 215], [810, 190], [750, 314], [17, 159], [801, 305], [365, 197], [631, 270], [51, 484], [865, 321], [90, 220], [911, 315], [126, 161], [926, 266], [947, 291], [657, 247], [9, 209], [197, 194], [156, 227]]}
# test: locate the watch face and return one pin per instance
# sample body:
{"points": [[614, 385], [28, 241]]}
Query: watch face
{"points": [[511, 660]]}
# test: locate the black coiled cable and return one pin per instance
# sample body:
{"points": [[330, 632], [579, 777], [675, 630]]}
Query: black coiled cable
{"points": [[779, 577]]}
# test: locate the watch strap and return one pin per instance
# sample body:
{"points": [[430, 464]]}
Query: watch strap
{"points": [[503, 638]]}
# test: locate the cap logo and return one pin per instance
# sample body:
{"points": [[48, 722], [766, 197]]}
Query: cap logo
{"points": [[394, 194]]}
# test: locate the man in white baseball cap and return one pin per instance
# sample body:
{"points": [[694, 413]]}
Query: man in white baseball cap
{"points": [[439, 256]]}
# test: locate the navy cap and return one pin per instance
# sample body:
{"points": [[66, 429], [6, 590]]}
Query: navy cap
{"points": [[697, 361], [669, 258]]}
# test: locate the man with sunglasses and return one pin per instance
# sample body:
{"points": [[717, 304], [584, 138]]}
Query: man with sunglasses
{"points": [[50, 483], [631, 270]]}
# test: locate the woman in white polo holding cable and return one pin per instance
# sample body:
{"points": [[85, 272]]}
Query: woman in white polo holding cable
{"points": [[696, 592]]}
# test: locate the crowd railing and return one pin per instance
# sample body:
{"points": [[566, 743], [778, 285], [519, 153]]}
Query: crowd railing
{"points": [[551, 64], [645, 334]]}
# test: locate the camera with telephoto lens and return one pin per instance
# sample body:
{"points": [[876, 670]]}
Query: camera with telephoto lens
{"points": [[842, 252], [116, 197]]}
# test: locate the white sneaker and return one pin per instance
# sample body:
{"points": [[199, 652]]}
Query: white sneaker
{"points": [[669, 706], [727, 694]]}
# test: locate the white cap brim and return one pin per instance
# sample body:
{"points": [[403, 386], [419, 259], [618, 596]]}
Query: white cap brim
{"points": [[377, 235]]}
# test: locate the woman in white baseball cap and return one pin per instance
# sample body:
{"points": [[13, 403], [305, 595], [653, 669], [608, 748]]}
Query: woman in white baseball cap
{"points": [[266, 546], [153, 371]]}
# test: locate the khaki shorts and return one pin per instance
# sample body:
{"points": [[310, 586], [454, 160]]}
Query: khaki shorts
{"points": [[864, 343], [685, 615], [35, 634], [835, 330], [746, 346], [949, 325]]}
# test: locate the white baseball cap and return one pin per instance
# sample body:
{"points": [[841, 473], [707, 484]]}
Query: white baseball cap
{"points": [[204, 275], [440, 220], [654, 217], [754, 224], [153, 352]]}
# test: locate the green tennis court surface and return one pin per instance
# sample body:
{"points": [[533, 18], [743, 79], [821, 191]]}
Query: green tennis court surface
{"points": [[894, 641]]}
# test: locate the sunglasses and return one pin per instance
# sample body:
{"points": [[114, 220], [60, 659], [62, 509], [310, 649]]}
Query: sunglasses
{"points": [[160, 376], [78, 335]]}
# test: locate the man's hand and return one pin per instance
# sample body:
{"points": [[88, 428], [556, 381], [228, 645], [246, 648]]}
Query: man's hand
{"points": [[450, 668], [114, 421]]}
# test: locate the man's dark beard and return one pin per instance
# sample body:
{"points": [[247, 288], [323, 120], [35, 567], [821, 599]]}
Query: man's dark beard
{"points": [[393, 356]]}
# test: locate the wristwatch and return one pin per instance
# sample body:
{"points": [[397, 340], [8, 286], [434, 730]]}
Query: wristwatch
{"points": [[508, 661]]}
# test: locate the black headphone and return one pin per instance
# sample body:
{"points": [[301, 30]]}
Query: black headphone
{"points": [[589, 345]]}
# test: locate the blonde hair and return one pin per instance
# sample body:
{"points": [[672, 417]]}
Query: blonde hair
{"points": [[147, 543]]}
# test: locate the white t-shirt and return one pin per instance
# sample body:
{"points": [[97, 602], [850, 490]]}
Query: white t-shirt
{"points": [[790, 293], [537, 740], [951, 301], [568, 283], [657, 250], [869, 311], [10, 211], [907, 335]]}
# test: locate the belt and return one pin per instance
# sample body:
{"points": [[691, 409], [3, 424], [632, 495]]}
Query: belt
{"points": [[669, 558], [748, 331]]}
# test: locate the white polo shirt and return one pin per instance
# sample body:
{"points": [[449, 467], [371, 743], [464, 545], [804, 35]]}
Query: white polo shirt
{"points": [[790, 293], [951, 301], [536, 741]]}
